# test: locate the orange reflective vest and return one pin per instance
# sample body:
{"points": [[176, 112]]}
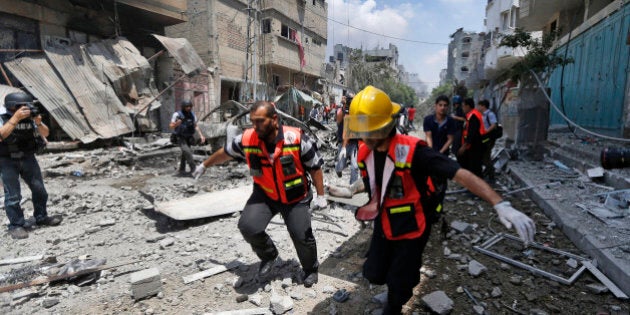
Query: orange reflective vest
{"points": [[482, 127], [400, 204], [281, 178]]}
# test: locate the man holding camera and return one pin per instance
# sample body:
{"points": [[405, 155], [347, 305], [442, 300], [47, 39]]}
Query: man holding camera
{"points": [[184, 124], [20, 135]]}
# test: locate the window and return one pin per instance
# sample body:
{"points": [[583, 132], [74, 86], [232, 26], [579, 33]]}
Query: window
{"points": [[266, 26], [288, 32], [284, 31], [505, 20], [466, 40], [464, 69], [314, 2], [513, 16], [316, 41], [466, 54], [276, 80]]}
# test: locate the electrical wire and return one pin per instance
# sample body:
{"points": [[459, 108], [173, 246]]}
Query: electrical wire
{"points": [[367, 31], [567, 119]]}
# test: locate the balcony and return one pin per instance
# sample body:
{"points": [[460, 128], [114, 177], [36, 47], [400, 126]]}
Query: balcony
{"points": [[283, 52], [534, 15], [499, 59]]}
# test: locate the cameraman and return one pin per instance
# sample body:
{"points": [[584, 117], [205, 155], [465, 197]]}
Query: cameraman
{"points": [[184, 124], [20, 135]]}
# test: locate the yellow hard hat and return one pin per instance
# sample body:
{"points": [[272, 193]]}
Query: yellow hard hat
{"points": [[371, 114]]}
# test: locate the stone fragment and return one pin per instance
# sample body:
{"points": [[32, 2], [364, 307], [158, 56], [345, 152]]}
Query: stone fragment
{"points": [[438, 302], [475, 268], [496, 292], [597, 288], [328, 289], [242, 298], [256, 299], [517, 280], [479, 310], [106, 222], [167, 242], [380, 298], [280, 304], [48, 303], [461, 227], [145, 283], [572, 263]]}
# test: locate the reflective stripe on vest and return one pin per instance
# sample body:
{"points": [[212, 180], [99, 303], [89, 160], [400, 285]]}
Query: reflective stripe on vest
{"points": [[280, 182], [400, 208]]}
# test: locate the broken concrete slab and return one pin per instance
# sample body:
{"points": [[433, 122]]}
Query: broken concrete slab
{"points": [[357, 200], [210, 272], [461, 227], [595, 172], [280, 304], [206, 205], [19, 260], [475, 268]]}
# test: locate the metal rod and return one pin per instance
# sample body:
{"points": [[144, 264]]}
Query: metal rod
{"points": [[21, 50], [6, 77], [159, 53], [522, 265], [550, 249]]}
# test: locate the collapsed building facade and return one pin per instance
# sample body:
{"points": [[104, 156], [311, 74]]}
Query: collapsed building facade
{"points": [[89, 62]]}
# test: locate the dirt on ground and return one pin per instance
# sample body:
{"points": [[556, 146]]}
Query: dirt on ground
{"points": [[108, 196]]}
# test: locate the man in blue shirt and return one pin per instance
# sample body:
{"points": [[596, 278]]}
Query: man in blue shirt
{"points": [[439, 127]]}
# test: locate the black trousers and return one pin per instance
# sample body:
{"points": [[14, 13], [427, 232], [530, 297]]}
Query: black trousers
{"points": [[187, 153], [472, 159], [257, 214], [395, 263]]}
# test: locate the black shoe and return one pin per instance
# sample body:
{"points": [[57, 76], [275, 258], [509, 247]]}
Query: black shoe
{"points": [[18, 233], [266, 266], [310, 279], [50, 221]]}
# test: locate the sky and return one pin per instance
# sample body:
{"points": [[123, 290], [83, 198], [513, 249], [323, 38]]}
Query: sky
{"points": [[426, 26]]}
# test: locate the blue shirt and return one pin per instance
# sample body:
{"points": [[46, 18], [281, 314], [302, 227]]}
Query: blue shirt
{"points": [[439, 131]]}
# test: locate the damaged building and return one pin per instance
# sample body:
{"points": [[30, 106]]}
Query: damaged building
{"points": [[93, 65]]}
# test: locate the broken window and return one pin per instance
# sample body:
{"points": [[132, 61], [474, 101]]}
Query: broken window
{"points": [[513, 16], [466, 40], [465, 54], [266, 26], [464, 69], [505, 20]]}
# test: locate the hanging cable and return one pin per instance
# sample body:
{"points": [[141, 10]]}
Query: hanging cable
{"points": [[567, 119]]}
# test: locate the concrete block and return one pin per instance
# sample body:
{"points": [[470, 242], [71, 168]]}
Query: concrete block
{"points": [[145, 283], [438, 302], [461, 227], [597, 288]]}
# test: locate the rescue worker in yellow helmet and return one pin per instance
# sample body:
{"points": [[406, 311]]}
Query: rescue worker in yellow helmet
{"points": [[395, 170]]}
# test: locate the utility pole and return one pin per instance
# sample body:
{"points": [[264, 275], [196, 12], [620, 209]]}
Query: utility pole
{"points": [[251, 56]]}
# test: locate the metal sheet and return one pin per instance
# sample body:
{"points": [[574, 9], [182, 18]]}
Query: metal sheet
{"points": [[183, 52], [96, 98], [38, 76], [127, 70], [594, 85]]}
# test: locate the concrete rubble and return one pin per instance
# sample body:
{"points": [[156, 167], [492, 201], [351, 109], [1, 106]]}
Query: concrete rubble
{"points": [[107, 215]]}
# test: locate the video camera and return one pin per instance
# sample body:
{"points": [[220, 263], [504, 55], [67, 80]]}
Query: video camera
{"points": [[33, 108]]}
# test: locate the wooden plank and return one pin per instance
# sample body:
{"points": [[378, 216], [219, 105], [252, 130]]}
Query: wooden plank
{"points": [[357, 200], [209, 272], [20, 260], [206, 205]]}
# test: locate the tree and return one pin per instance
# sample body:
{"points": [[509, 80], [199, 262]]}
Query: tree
{"points": [[539, 58]]}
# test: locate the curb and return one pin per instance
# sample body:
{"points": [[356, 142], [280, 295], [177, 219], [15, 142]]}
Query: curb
{"points": [[614, 268]]}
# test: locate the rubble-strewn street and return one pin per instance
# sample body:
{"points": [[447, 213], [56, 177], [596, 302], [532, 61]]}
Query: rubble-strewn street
{"points": [[105, 197]]}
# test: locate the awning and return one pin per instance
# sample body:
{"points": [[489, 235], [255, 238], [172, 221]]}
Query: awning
{"points": [[184, 53]]}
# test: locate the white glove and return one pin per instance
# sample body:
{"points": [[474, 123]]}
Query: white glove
{"points": [[342, 154], [320, 201], [509, 216], [199, 171]]}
